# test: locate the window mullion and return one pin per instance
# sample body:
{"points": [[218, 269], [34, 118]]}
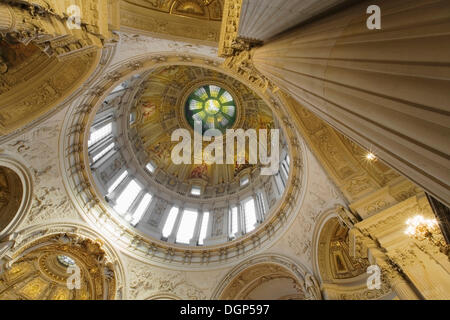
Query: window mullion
{"points": [[173, 235], [198, 225]]}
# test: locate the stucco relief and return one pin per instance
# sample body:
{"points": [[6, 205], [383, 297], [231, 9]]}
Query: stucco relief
{"points": [[146, 281], [38, 148], [321, 195], [132, 45]]}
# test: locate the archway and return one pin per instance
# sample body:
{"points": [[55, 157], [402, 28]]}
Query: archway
{"points": [[268, 277], [265, 281], [11, 192], [342, 276], [16, 190], [334, 259]]}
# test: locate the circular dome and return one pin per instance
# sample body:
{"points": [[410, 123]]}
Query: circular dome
{"points": [[163, 104], [195, 204], [212, 106]]}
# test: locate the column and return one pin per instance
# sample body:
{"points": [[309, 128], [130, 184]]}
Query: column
{"points": [[209, 229], [402, 288], [173, 235], [198, 225], [241, 219], [426, 267], [386, 89], [116, 193], [258, 208], [135, 205], [226, 221], [155, 218], [265, 202], [221, 236], [100, 147], [146, 217], [407, 259]]}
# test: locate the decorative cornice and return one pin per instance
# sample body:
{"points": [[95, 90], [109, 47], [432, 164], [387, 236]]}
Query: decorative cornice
{"points": [[241, 64]]}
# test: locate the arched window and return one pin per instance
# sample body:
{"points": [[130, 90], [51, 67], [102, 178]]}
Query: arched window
{"points": [[170, 222], [150, 167], [132, 118], [103, 152], [118, 181], [196, 191], [284, 170], [120, 87], [187, 226], [100, 134], [127, 197], [140, 210], [204, 228], [244, 180], [250, 215]]}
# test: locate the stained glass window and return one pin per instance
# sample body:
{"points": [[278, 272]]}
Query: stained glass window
{"points": [[213, 106]]}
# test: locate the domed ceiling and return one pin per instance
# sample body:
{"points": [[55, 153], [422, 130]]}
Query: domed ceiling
{"points": [[199, 201], [176, 96]]}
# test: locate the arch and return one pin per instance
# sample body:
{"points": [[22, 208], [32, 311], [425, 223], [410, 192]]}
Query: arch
{"points": [[253, 278], [16, 190], [332, 261], [163, 296], [341, 276]]}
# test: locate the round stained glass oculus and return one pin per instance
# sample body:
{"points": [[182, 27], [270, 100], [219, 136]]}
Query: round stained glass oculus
{"points": [[65, 260], [213, 106]]}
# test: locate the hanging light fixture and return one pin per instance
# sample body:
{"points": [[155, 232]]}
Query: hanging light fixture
{"points": [[421, 229]]}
